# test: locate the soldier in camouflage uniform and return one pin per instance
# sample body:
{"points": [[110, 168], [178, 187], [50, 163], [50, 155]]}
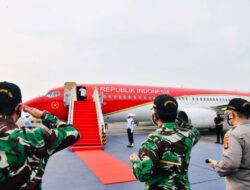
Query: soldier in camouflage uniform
{"points": [[164, 156], [24, 152]]}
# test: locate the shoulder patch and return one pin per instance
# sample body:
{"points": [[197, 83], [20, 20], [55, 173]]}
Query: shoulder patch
{"points": [[226, 142]]}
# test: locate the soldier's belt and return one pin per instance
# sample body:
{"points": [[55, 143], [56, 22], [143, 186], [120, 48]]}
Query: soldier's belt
{"points": [[170, 163]]}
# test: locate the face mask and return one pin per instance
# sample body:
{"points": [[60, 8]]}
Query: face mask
{"points": [[19, 113], [154, 118], [228, 118]]}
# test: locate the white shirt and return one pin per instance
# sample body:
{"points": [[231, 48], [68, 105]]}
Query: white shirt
{"points": [[83, 92], [130, 124]]}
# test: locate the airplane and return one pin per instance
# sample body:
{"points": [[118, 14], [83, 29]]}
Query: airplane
{"points": [[199, 105]]}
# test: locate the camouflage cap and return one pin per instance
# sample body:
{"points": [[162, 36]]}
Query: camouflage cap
{"points": [[10, 96], [239, 105], [165, 103]]}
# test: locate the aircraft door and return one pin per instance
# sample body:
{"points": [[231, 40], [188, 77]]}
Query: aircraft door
{"points": [[81, 93], [69, 92]]}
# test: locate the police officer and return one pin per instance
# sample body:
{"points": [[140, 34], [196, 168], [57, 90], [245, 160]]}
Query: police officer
{"points": [[164, 156], [235, 164], [24, 152]]}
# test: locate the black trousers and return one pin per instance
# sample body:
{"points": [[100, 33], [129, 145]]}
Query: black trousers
{"points": [[130, 136], [219, 133]]}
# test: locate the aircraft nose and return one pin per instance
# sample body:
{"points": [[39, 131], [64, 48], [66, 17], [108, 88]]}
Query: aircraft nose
{"points": [[29, 103], [33, 102]]}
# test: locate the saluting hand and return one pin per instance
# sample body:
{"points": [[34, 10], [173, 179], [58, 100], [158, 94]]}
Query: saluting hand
{"points": [[33, 111]]}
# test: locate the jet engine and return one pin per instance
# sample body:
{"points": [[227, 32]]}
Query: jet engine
{"points": [[199, 117]]}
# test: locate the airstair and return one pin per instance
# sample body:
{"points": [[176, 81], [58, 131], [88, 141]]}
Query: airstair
{"points": [[87, 117]]}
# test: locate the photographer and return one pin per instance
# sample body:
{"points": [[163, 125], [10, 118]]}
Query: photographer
{"points": [[24, 152]]}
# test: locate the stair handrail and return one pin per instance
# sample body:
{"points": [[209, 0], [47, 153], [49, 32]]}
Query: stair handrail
{"points": [[71, 105], [101, 124]]}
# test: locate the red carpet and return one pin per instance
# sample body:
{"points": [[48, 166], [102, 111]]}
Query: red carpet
{"points": [[106, 167]]}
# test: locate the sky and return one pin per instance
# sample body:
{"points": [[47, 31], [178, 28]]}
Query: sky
{"points": [[174, 43]]}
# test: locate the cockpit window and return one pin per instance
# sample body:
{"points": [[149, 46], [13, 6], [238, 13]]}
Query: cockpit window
{"points": [[52, 94]]}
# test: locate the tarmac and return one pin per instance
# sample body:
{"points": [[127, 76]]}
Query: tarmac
{"points": [[66, 171]]}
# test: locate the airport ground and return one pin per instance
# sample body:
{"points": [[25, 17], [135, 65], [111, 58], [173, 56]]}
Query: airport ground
{"points": [[119, 128], [66, 171]]}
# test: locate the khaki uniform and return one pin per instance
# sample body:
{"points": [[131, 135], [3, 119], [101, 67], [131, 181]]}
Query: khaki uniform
{"points": [[235, 165]]}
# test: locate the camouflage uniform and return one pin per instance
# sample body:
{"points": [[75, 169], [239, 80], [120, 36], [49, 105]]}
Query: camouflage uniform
{"points": [[24, 152], [164, 158]]}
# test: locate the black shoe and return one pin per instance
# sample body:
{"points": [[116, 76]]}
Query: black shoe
{"points": [[130, 145], [217, 142]]}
